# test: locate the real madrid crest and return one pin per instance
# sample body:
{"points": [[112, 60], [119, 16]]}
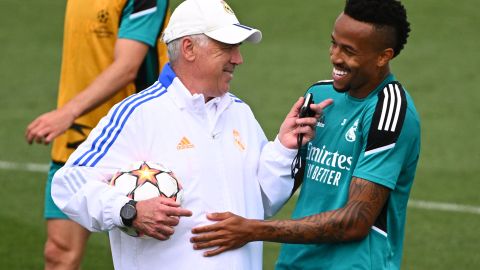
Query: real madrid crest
{"points": [[238, 140], [350, 136]]}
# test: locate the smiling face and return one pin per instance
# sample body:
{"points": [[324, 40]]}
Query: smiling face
{"points": [[215, 64], [359, 57]]}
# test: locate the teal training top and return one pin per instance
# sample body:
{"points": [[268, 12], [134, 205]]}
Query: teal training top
{"points": [[376, 138]]}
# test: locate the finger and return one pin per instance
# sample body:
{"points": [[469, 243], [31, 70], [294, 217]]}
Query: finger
{"points": [[164, 229], [214, 252], [38, 139], [33, 125], [168, 201], [208, 244], [322, 105], [177, 211], [158, 236], [304, 130], [50, 138], [202, 238], [33, 133], [219, 216], [307, 121], [172, 221], [29, 137], [41, 134], [204, 229], [28, 132], [294, 111]]}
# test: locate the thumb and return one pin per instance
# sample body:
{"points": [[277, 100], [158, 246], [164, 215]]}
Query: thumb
{"points": [[294, 111]]}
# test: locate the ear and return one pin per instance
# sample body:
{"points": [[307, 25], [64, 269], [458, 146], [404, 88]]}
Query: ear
{"points": [[187, 48], [384, 57]]}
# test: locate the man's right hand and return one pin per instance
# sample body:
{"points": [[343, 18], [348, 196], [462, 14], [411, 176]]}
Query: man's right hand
{"points": [[156, 217], [48, 126]]}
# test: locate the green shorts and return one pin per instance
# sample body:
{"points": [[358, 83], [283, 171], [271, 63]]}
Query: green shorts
{"points": [[51, 210]]}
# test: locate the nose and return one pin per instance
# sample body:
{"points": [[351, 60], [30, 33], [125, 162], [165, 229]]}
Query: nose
{"points": [[335, 54], [236, 58]]}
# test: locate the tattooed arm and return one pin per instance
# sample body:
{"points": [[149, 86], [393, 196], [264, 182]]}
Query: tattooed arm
{"points": [[351, 222]]}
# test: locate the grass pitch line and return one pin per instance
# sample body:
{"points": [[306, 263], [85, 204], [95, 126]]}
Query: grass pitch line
{"points": [[43, 168], [30, 167], [444, 206]]}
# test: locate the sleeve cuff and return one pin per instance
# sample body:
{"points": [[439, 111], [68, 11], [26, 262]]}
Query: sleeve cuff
{"points": [[282, 150], [117, 206]]}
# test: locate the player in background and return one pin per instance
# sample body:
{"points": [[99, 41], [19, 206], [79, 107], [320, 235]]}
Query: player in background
{"points": [[189, 122], [111, 49], [360, 167]]}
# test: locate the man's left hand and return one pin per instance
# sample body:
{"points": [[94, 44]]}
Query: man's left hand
{"points": [[229, 232]]}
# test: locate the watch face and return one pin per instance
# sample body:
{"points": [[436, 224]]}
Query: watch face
{"points": [[128, 211]]}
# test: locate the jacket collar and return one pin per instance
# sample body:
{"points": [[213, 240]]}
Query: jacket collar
{"points": [[184, 99]]}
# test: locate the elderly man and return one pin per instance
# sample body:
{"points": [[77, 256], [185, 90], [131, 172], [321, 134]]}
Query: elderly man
{"points": [[189, 122]]}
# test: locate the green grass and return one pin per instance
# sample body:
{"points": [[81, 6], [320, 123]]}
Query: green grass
{"points": [[438, 67]]}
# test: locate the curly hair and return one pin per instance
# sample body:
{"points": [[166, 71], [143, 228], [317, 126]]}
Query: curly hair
{"points": [[386, 15]]}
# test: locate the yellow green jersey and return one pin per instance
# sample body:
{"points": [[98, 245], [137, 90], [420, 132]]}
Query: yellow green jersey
{"points": [[91, 30]]}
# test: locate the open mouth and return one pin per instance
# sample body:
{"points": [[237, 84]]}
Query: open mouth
{"points": [[338, 73]]}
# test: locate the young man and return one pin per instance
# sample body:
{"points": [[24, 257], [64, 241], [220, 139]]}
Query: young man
{"points": [[359, 167], [110, 49], [228, 165]]}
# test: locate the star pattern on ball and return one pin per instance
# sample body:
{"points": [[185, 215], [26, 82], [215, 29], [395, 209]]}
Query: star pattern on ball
{"points": [[145, 174]]}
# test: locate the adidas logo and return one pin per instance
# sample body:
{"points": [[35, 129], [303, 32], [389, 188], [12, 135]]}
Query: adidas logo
{"points": [[184, 144]]}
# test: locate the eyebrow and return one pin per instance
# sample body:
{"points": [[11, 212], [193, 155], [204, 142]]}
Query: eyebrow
{"points": [[343, 45]]}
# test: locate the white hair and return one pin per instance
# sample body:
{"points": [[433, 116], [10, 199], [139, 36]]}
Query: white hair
{"points": [[174, 45]]}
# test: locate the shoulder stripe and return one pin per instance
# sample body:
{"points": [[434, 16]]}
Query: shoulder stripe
{"points": [[235, 98], [143, 7], [323, 82], [120, 115], [143, 13], [379, 231], [379, 149], [392, 103], [398, 108], [388, 118]]}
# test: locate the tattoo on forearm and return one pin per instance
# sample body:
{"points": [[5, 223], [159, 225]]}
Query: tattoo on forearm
{"points": [[366, 200]]}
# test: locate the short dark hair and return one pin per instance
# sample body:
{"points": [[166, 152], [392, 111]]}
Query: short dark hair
{"points": [[384, 15]]}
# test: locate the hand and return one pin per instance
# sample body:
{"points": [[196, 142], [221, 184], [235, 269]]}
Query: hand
{"points": [[48, 126], [230, 232], [292, 125], [156, 217]]}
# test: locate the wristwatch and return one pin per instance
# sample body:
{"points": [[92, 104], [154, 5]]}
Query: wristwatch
{"points": [[128, 213]]}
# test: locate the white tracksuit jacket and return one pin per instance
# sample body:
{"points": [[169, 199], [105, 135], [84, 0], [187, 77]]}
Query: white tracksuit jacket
{"points": [[225, 164]]}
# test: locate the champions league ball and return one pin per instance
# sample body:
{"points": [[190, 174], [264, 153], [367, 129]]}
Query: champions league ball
{"points": [[144, 180]]}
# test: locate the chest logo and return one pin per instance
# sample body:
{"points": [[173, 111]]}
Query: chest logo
{"points": [[102, 16], [238, 140], [350, 136], [184, 144], [321, 121]]}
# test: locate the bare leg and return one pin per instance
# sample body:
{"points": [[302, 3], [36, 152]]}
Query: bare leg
{"points": [[65, 245]]}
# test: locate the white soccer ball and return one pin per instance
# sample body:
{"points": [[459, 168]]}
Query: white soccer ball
{"points": [[144, 180]]}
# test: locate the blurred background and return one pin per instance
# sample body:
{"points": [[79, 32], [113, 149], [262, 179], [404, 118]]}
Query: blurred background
{"points": [[437, 67]]}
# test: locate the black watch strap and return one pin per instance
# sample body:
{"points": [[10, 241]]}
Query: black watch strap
{"points": [[128, 213]]}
